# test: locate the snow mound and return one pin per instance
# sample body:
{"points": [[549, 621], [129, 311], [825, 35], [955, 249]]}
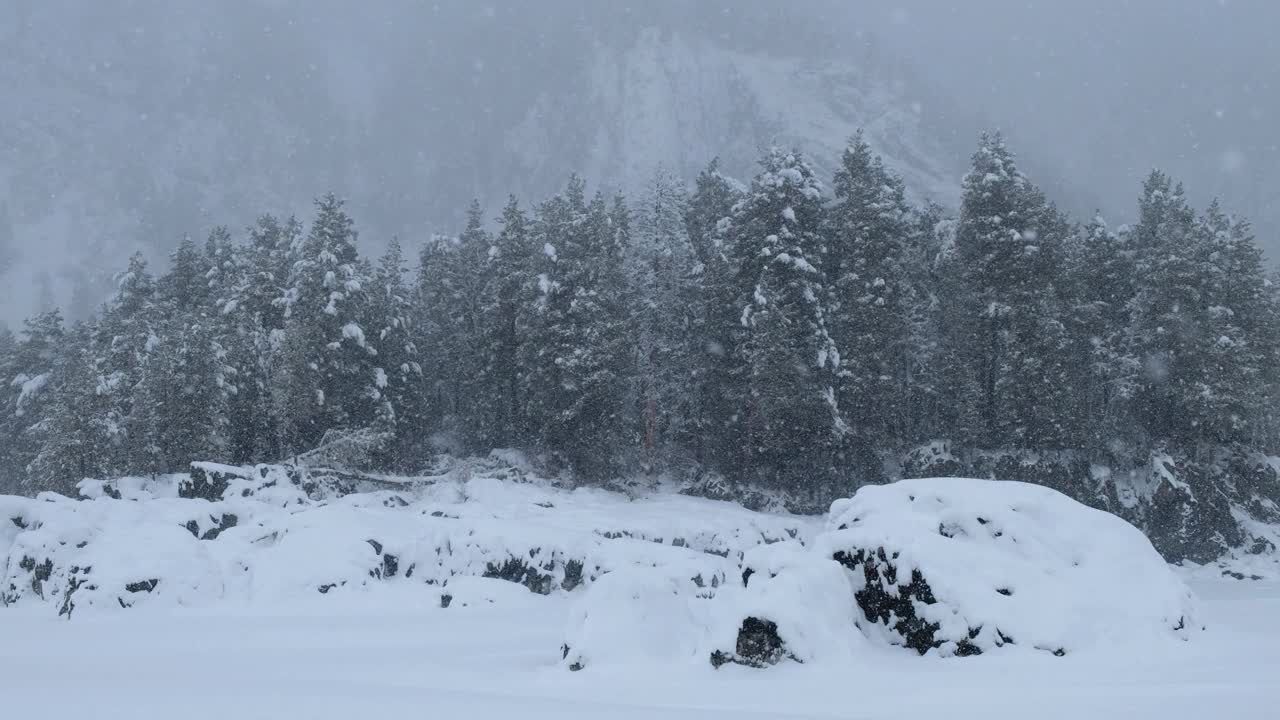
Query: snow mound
{"points": [[963, 566], [637, 616], [794, 604], [790, 604]]}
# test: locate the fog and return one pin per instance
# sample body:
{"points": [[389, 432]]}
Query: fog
{"points": [[125, 124]]}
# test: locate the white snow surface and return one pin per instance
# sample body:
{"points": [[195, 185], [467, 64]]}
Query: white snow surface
{"points": [[236, 626]]}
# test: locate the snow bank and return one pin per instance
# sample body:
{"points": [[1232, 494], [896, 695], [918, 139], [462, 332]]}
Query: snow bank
{"points": [[942, 566], [271, 535], [964, 566]]}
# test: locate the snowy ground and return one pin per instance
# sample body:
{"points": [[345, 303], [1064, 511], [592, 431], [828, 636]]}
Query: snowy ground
{"points": [[389, 653], [231, 624]]}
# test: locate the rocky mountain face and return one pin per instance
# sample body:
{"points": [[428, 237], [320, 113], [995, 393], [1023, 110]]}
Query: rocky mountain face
{"points": [[127, 125]]}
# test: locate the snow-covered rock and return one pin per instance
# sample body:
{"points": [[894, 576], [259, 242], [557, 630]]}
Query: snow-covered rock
{"points": [[793, 604], [965, 566], [637, 615], [273, 534]]}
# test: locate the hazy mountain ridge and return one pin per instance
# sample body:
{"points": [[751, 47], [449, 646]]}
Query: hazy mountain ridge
{"points": [[172, 119]]}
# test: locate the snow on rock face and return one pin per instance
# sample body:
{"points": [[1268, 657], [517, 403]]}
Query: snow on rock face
{"points": [[273, 534], [792, 604], [965, 566]]}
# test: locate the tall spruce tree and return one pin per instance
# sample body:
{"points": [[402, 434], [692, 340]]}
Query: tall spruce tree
{"points": [[792, 423], [869, 236], [27, 368], [1006, 339], [578, 356], [399, 372], [508, 288], [327, 358], [711, 294], [664, 315], [1169, 313]]}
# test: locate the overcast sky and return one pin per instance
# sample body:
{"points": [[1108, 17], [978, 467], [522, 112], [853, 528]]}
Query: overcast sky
{"points": [[1110, 88], [127, 123]]}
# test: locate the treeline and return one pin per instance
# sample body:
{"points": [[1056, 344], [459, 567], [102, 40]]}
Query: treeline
{"points": [[774, 334]]}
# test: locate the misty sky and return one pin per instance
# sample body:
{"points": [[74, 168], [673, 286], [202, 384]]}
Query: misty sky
{"points": [[1107, 89], [125, 124]]}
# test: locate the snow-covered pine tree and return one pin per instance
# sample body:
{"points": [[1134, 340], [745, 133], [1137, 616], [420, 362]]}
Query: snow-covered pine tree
{"points": [[508, 287], [578, 357], [269, 257], [1101, 287], [327, 359], [1169, 313], [251, 315], [447, 298], [79, 434], [1006, 338], [399, 373], [711, 293], [868, 245], [1239, 339], [180, 402], [122, 342], [929, 271], [664, 315], [793, 425], [26, 369], [185, 286]]}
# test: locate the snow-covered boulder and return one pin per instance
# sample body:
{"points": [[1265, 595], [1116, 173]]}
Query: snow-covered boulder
{"points": [[964, 566], [794, 604], [637, 615]]}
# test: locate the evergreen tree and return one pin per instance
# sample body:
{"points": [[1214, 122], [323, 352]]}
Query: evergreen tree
{"points": [[711, 295], [79, 432], [327, 359], [185, 287], [26, 370], [122, 343], [448, 296], [399, 374], [792, 420], [1169, 313], [508, 288], [1005, 339], [1101, 294], [180, 409], [664, 315], [578, 356], [869, 240], [1239, 337]]}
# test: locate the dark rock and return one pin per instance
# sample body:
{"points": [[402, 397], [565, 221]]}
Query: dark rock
{"points": [[142, 585], [377, 546], [227, 521], [515, 570], [885, 601], [572, 575], [204, 484], [445, 600], [390, 565], [19, 521], [758, 646]]}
